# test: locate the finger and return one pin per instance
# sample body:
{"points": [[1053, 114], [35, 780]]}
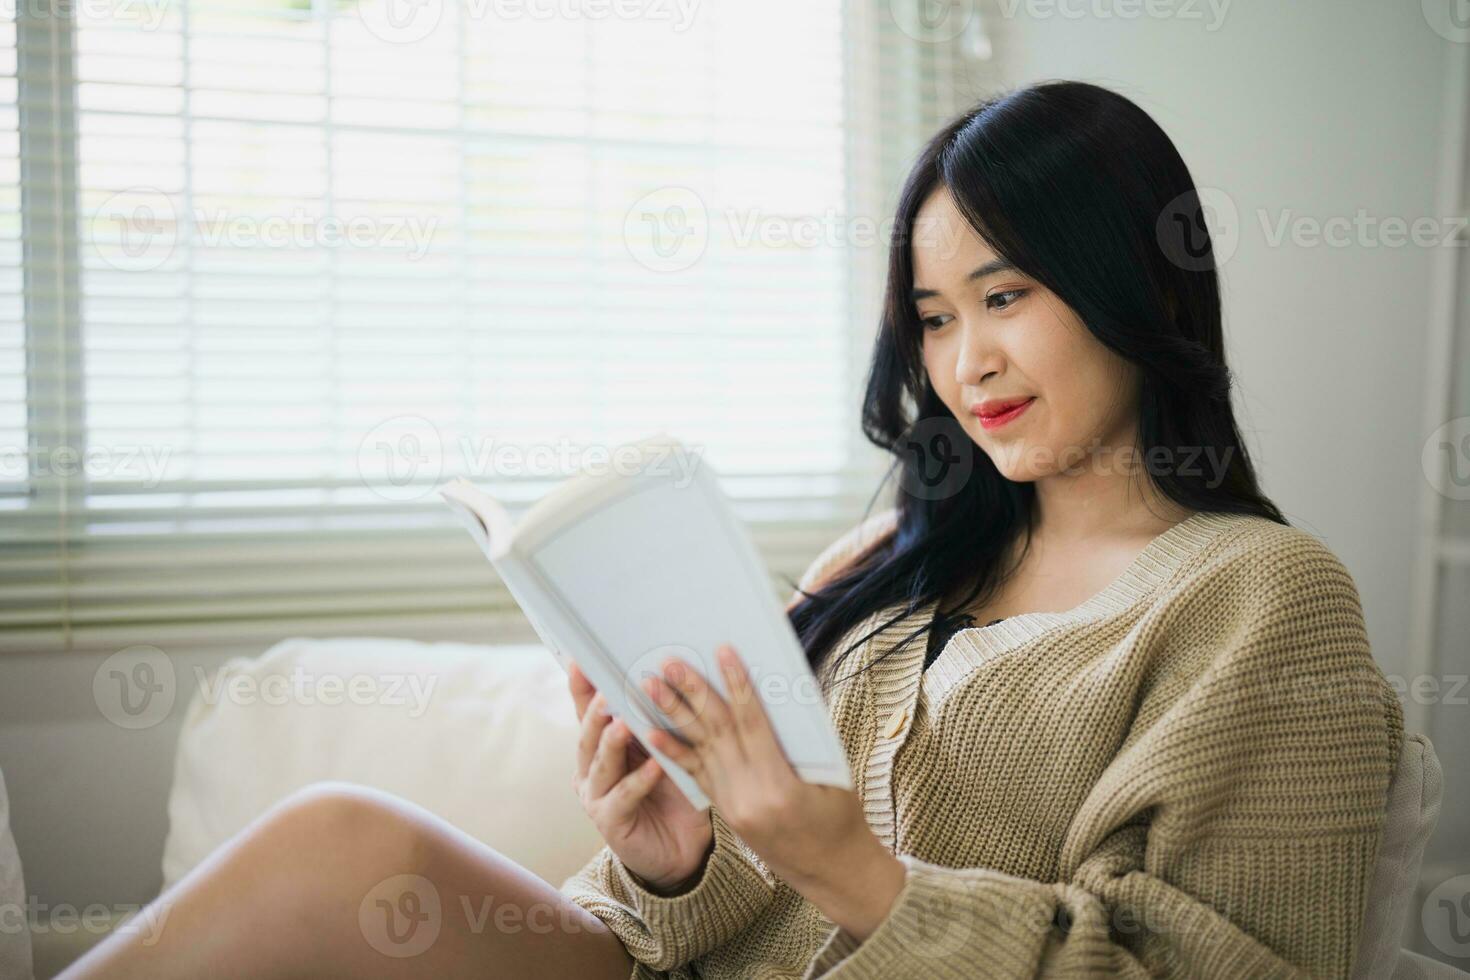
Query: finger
{"points": [[708, 715], [713, 755], [746, 709], [757, 736], [593, 722], [679, 713], [636, 752], [610, 762], [620, 801], [721, 737], [684, 756], [581, 688]]}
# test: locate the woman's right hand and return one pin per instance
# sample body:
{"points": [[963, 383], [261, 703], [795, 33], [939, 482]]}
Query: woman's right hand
{"points": [[647, 822]]}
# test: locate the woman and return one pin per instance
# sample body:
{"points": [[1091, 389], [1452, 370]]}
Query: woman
{"points": [[1108, 714]]}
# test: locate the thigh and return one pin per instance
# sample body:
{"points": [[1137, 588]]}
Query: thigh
{"points": [[494, 917], [453, 906], [340, 880]]}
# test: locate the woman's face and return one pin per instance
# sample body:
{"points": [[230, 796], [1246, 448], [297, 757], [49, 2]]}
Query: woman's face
{"points": [[1001, 337]]}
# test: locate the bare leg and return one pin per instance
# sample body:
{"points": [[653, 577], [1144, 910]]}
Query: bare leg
{"points": [[339, 880]]}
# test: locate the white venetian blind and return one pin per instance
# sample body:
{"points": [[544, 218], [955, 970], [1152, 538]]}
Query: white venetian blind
{"points": [[328, 254]]}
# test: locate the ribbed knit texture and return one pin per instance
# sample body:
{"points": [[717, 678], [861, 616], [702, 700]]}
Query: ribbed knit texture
{"points": [[1185, 776]]}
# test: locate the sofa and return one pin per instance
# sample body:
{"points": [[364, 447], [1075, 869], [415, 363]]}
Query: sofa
{"points": [[485, 737]]}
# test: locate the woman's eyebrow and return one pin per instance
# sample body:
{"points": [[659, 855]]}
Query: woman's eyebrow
{"points": [[979, 272]]}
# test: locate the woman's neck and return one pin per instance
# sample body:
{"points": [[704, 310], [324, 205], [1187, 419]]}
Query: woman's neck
{"points": [[1113, 516]]}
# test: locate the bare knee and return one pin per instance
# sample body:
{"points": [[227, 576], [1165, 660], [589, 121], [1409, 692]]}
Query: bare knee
{"points": [[329, 824], [334, 800]]}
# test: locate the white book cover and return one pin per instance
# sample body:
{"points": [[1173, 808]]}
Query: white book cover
{"points": [[619, 570]]}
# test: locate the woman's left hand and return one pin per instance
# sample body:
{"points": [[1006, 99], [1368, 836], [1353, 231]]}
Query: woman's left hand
{"points": [[813, 837]]}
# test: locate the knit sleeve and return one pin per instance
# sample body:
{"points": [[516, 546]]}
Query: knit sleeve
{"points": [[1233, 835], [666, 932], [845, 549]]}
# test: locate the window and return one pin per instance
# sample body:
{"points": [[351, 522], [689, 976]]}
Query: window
{"points": [[290, 264]]}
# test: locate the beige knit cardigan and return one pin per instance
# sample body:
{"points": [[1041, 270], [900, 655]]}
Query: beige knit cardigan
{"points": [[1185, 776]]}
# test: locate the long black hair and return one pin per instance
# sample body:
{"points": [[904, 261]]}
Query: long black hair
{"points": [[1083, 192]]}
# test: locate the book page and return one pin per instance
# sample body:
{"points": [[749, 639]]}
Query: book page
{"points": [[660, 569]]}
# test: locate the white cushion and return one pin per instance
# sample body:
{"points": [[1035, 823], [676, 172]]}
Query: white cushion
{"points": [[483, 736], [1414, 794], [15, 939]]}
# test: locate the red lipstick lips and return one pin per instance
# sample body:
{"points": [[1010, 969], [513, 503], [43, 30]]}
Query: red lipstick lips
{"points": [[996, 412]]}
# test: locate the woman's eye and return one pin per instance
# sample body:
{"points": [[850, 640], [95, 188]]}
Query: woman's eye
{"points": [[936, 321], [1017, 293]]}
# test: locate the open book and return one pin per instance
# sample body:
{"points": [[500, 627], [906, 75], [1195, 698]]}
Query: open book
{"points": [[622, 569]]}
